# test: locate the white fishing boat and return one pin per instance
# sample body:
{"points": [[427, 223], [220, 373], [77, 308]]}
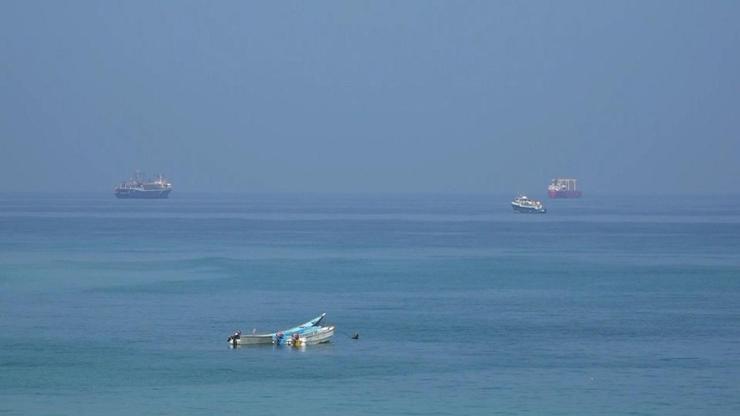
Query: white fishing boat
{"points": [[316, 335], [140, 188]]}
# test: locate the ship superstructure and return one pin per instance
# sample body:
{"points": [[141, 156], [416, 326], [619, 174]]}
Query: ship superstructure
{"points": [[139, 188], [563, 188]]}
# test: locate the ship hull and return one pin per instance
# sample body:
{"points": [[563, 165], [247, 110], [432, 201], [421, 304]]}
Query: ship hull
{"points": [[564, 194], [528, 210], [142, 194]]}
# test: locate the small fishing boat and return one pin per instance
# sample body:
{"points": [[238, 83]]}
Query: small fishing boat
{"points": [[238, 339], [315, 335]]}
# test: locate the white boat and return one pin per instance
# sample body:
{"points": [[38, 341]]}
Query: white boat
{"points": [[140, 188], [527, 205], [238, 339], [251, 339], [317, 335]]}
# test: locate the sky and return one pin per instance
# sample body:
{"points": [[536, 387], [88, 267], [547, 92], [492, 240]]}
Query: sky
{"points": [[371, 96]]}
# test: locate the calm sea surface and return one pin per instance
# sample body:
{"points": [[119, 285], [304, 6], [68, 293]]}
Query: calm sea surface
{"points": [[604, 306]]}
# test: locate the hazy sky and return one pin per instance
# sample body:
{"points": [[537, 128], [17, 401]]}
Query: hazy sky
{"points": [[371, 96]]}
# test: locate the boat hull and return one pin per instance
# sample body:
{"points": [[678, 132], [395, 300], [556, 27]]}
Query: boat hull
{"points": [[142, 194], [564, 194], [254, 339], [528, 210]]}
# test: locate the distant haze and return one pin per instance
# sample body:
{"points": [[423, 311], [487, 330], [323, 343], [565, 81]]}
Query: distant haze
{"points": [[373, 96]]}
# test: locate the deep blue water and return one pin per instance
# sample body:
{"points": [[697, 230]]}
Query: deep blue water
{"points": [[606, 305]]}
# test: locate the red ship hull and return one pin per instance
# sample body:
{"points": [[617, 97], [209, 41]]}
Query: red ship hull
{"points": [[564, 194]]}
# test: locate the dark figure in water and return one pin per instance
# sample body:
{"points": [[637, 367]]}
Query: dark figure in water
{"points": [[356, 335]]}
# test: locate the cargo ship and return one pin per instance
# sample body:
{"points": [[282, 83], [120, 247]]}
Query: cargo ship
{"points": [[527, 206], [139, 188], [563, 188]]}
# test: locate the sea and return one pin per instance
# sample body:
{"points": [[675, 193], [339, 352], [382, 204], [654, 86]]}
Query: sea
{"points": [[606, 305]]}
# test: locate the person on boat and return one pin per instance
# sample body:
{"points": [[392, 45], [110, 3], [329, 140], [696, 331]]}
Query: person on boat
{"points": [[235, 337]]}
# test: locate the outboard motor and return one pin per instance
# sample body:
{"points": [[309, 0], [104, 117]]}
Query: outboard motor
{"points": [[233, 338]]}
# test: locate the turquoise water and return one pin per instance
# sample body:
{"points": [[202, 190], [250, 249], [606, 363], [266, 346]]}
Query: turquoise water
{"points": [[609, 306]]}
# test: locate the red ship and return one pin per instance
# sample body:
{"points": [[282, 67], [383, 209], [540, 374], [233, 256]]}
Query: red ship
{"points": [[563, 188]]}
